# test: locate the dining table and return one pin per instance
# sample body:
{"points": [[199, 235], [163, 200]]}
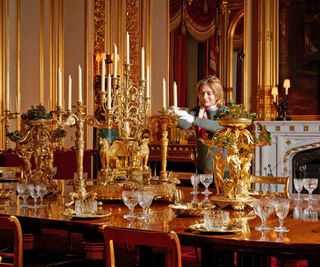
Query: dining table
{"points": [[248, 246]]}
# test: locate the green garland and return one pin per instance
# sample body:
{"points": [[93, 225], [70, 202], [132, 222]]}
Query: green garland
{"points": [[234, 111], [36, 113]]}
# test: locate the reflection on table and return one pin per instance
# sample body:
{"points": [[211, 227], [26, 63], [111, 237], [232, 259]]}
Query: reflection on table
{"points": [[302, 238]]}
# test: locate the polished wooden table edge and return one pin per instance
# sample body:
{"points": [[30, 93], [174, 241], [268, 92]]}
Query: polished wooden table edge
{"points": [[303, 237]]}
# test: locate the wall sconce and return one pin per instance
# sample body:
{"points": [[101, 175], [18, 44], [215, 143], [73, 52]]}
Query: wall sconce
{"points": [[286, 85], [274, 93]]}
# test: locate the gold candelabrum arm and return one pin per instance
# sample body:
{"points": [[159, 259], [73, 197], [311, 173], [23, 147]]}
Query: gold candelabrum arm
{"points": [[6, 117]]}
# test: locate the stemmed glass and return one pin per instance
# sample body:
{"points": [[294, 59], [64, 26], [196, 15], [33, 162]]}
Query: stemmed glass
{"points": [[130, 199], [298, 185], [310, 184], [297, 212], [34, 194], [23, 191], [195, 180], [54, 171], [206, 180], [145, 197], [281, 207], [310, 213], [42, 190], [263, 207]]}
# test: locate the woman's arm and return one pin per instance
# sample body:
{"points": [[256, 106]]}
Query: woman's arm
{"points": [[209, 125]]}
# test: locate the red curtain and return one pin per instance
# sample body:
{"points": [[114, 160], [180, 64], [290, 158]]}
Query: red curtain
{"points": [[191, 19]]}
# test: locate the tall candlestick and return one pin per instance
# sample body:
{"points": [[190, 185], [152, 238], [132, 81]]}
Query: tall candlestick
{"points": [[109, 91], [115, 61], [175, 94], [148, 83], [142, 64], [164, 93], [128, 47], [103, 76], [59, 88], [69, 93], [80, 84]]}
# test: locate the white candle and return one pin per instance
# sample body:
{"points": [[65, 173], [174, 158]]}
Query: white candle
{"points": [[148, 83], [175, 94], [164, 93], [59, 88], [80, 84], [128, 47], [142, 64], [115, 61], [69, 93], [103, 76], [109, 91]]}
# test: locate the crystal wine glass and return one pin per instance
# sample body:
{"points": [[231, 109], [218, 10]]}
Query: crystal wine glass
{"points": [[206, 180], [130, 199], [54, 171], [145, 197], [23, 191], [195, 180], [281, 207], [310, 213], [263, 207], [310, 184], [42, 190], [34, 194], [298, 185], [297, 211]]}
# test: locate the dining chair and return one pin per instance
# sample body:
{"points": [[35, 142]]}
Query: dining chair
{"points": [[168, 243], [12, 254], [270, 185]]}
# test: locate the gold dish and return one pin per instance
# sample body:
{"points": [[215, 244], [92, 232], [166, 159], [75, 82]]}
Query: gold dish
{"points": [[189, 209], [200, 228], [86, 216]]}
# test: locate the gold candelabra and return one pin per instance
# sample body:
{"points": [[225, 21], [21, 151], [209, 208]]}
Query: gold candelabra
{"points": [[123, 110]]}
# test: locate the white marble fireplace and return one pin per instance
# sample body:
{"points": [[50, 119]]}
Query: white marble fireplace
{"points": [[288, 138]]}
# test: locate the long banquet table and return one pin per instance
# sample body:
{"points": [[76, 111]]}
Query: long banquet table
{"points": [[303, 239]]}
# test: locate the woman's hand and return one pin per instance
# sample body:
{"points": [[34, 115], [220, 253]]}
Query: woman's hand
{"points": [[179, 112], [188, 118]]}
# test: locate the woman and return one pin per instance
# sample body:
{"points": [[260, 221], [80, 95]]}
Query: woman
{"points": [[211, 99]]}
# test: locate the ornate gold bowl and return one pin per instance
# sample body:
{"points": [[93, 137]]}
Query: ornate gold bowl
{"points": [[240, 123], [38, 122]]}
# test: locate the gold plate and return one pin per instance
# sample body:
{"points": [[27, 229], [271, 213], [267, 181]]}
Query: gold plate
{"points": [[200, 228], [87, 215], [189, 209]]}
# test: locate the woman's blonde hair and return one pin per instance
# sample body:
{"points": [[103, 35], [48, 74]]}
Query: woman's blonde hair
{"points": [[214, 83]]}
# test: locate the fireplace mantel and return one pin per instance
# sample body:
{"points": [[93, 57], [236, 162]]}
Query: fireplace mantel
{"points": [[288, 138]]}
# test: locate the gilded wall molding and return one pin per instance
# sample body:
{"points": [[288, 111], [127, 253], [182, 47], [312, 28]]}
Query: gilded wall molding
{"points": [[133, 20], [99, 26]]}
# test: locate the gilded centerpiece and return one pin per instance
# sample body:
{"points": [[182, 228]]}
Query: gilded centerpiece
{"points": [[37, 141], [232, 161]]}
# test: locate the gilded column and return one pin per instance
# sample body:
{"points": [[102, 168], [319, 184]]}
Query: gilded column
{"points": [[267, 56]]}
